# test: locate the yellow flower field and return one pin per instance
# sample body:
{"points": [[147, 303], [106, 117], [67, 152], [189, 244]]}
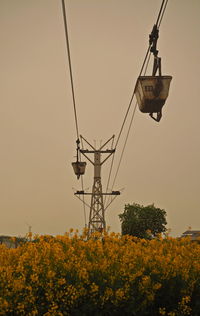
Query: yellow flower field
{"points": [[113, 275]]}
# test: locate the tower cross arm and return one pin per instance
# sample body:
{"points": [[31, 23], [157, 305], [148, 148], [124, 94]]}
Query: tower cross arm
{"points": [[107, 151], [82, 192]]}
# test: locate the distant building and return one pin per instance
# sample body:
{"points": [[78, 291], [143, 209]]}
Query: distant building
{"points": [[11, 242], [193, 234]]}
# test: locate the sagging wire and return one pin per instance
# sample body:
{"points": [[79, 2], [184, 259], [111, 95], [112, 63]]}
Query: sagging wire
{"points": [[145, 62], [73, 90]]}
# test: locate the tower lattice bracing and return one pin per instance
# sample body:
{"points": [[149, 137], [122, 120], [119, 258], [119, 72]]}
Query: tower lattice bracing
{"points": [[97, 211]]}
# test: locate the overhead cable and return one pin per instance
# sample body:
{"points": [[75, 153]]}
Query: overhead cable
{"points": [[70, 65], [84, 211], [158, 22], [162, 13], [82, 187], [123, 149], [111, 166], [145, 64], [73, 91]]}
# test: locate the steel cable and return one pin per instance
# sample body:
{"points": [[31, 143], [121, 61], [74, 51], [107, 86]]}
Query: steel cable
{"points": [[111, 166], [126, 139], [70, 65], [73, 91], [159, 14], [162, 13], [159, 19], [146, 61]]}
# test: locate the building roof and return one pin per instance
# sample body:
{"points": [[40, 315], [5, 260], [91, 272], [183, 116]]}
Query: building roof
{"points": [[191, 232]]}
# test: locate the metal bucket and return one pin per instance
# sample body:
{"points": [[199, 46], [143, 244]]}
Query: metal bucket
{"points": [[152, 92], [79, 167]]}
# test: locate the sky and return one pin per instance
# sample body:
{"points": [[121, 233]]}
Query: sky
{"points": [[108, 42]]}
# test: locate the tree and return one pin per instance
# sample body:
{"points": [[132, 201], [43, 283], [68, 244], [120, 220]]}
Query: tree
{"points": [[143, 221]]}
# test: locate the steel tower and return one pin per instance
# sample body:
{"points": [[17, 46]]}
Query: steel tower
{"points": [[97, 208]]}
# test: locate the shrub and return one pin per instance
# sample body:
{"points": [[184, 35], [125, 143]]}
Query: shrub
{"points": [[109, 275]]}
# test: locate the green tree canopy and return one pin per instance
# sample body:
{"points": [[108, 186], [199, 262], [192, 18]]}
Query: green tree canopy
{"points": [[143, 221]]}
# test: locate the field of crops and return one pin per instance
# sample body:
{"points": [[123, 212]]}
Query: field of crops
{"points": [[113, 275]]}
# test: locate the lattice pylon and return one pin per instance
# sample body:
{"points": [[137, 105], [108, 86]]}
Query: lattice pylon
{"points": [[97, 208]]}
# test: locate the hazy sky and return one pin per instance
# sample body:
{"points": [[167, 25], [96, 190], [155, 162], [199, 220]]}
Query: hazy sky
{"points": [[109, 39]]}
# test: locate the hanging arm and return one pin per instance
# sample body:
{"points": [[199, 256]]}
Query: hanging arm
{"points": [[153, 38]]}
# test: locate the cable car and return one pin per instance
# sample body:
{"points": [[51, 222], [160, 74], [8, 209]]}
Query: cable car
{"points": [[79, 168], [151, 94], [152, 91]]}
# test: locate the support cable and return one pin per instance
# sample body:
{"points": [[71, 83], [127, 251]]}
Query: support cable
{"points": [[111, 166], [126, 139], [123, 149], [73, 91], [70, 65], [147, 58], [128, 132], [131, 100], [131, 122], [162, 14], [84, 211], [158, 22], [82, 187], [122, 153], [83, 201], [146, 61]]}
